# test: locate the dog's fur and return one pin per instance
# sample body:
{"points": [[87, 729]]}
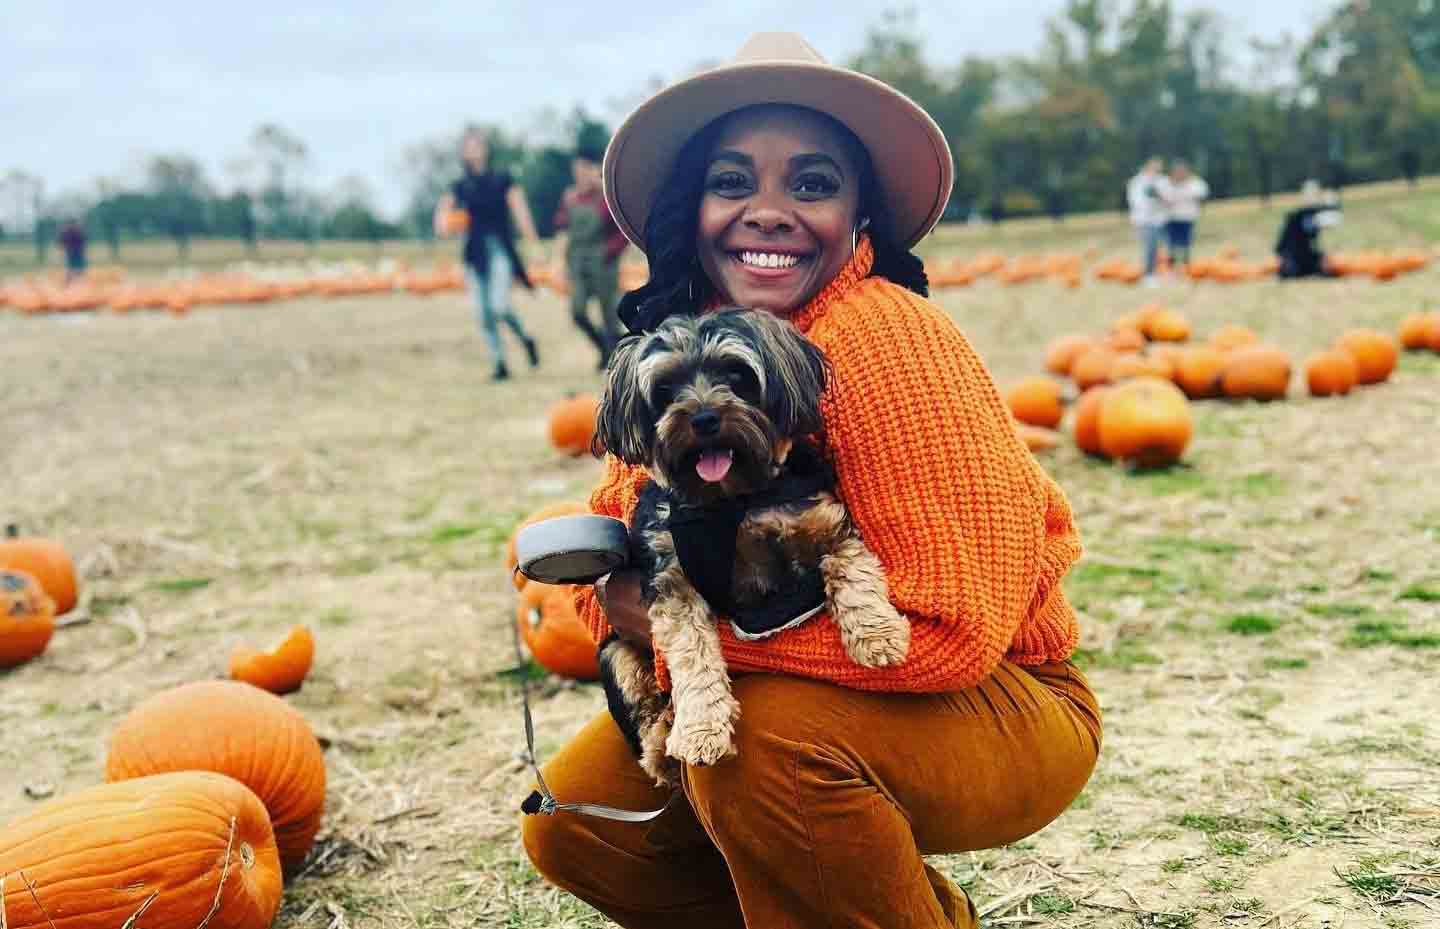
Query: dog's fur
{"points": [[764, 380]]}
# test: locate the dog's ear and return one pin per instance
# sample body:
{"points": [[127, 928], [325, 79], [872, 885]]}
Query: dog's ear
{"points": [[623, 426], [796, 376]]}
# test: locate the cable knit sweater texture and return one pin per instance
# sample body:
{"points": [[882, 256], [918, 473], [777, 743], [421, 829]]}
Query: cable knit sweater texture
{"points": [[973, 534]]}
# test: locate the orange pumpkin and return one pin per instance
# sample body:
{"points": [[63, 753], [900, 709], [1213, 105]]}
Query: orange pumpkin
{"points": [[1420, 331], [1145, 421], [1375, 353], [1087, 420], [238, 730], [548, 511], [1125, 339], [1036, 401], [1168, 354], [1229, 338], [554, 633], [44, 559], [189, 849], [27, 618], [1128, 366], [1330, 373], [1256, 372], [1092, 368], [1037, 438], [1198, 372], [1167, 326], [1061, 353], [282, 669], [572, 423], [454, 221]]}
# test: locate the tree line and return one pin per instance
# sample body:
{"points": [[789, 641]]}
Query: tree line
{"points": [[1050, 133]]}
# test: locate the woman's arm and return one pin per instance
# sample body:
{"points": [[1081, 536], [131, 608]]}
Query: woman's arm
{"points": [[974, 536], [444, 205], [520, 210]]}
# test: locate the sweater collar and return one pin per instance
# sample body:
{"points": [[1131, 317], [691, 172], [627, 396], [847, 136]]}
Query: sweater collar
{"points": [[855, 270]]}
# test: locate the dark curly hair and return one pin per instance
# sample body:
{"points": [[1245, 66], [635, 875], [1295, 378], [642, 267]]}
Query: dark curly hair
{"points": [[677, 285]]}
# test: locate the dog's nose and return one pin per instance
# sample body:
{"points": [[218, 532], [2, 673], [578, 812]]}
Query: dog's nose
{"points": [[705, 422]]}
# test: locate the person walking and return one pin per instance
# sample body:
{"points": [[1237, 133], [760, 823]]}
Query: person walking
{"points": [[492, 200], [593, 245], [1183, 195], [1145, 194]]}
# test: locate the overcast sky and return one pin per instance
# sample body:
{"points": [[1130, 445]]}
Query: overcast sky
{"points": [[87, 89]]}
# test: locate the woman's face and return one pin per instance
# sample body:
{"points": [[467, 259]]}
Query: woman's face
{"points": [[475, 151], [781, 193]]}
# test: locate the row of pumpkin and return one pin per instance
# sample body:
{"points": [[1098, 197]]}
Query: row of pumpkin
{"points": [[1135, 383]]}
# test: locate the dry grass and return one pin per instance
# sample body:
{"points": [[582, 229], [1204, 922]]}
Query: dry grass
{"points": [[1256, 623]]}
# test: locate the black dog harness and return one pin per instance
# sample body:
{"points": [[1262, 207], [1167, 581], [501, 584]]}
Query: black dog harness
{"points": [[706, 538]]}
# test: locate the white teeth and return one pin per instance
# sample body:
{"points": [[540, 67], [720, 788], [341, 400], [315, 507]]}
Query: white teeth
{"points": [[769, 260]]}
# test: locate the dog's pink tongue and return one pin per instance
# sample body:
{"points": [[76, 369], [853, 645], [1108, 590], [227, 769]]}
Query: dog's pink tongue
{"points": [[714, 464]]}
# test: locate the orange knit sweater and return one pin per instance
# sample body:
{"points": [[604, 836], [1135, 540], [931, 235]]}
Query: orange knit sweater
{"points": [[974, 536]]}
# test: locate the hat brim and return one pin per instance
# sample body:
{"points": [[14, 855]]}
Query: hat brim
{"points": [[910, 155]]}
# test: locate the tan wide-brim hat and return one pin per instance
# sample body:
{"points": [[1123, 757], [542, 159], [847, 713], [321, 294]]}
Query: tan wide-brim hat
{"points": [[909, 152]]}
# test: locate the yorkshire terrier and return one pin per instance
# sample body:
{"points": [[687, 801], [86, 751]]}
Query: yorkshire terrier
{"points": [[739, 520]]}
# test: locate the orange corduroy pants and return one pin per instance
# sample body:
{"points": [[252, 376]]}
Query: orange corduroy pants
{"points": [[823, 816]]}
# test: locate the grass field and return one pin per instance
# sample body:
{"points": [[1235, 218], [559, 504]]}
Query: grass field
{"points": [[1262, 625]]}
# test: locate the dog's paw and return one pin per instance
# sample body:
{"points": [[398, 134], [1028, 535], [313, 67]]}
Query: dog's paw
{"points": [[878, 640], [704, 738], [653, 759]]}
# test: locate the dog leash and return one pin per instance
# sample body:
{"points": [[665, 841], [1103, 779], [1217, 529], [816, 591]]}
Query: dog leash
{"points": [[542, 801]]}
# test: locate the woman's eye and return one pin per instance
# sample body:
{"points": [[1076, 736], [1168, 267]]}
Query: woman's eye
{"points": [[728, 182], [816, 185]]}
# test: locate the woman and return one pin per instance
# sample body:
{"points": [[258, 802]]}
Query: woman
{"points": [[491, 199], [1298, 246], [1144, 193], [1183, 196], [592, 248], [844, 776]]}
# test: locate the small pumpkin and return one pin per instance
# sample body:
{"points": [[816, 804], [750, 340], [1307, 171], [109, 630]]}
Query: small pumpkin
{"points": [[27, 619], [1199, 370], [1420, 331], [1125, 339], [282, 669], [1229, 338], [1375, 353], [1330, 373], [1128, 366], [47, 561], [1092, 368], [554, 632], [1036, 401], [1037, 438], [1145, 421], [1256, 372], [548, 511], [190, 848], [1087, 420], [1061, 353], [571, 423], [238, 730], [1167, 326]]}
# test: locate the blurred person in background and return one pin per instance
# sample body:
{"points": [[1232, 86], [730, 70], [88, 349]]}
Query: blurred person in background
{"points": [[592, 247], [1183, 194], [1298, 245], [72, 239], [1145, 196], [492, 200]]}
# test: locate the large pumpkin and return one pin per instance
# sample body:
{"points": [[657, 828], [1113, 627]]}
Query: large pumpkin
{"points": [[1256, 372], [235, 729], [548, 511], [282, 669], [554, 633], [1375, 353], [1036, 401], [1198, 372], [189, 849], [1330, 373], [45, 560], [1087, 420], [1145, 421], [1061, 353], [571, 422], [27, 618]]}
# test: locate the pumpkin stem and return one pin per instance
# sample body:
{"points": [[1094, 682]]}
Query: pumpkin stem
{"points": [[247, 856]]}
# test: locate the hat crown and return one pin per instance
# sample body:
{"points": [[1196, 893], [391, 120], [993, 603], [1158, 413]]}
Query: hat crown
{"points": [[777, 46]]}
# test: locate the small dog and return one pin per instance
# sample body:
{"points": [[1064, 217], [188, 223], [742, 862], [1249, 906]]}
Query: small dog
{"points": [[740, 505]]}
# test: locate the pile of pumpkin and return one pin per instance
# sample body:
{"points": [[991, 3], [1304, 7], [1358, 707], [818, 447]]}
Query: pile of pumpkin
{"points": [[1064, 267], [213, 794], [1378, 265], [1135, 382]]}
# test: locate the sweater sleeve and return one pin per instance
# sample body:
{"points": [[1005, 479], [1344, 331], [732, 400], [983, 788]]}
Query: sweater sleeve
{"points": [[616, 496], [973, 535]]}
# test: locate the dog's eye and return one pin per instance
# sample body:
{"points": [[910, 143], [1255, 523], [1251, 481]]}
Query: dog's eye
{"points": [[664, 392], [741, 380]]}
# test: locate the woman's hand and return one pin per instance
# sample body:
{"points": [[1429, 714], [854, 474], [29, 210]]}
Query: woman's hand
{"points": [[625, 608]]}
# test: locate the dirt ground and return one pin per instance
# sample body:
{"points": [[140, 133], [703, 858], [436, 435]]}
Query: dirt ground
{"points": [[1262, 625]]}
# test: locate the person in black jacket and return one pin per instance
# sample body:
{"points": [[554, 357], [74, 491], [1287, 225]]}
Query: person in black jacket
{"points": [[1297, 247], [492, 200]]}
